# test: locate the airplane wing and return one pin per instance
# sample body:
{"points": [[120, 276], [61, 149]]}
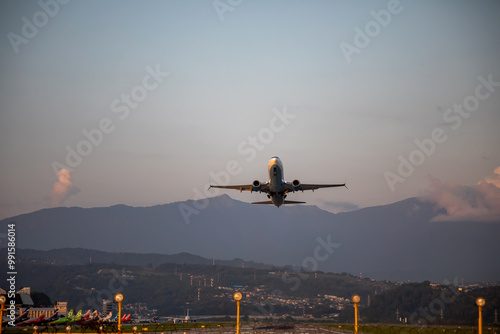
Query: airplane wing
{"points": [[264, 187], [317, 186], [290, 187]]}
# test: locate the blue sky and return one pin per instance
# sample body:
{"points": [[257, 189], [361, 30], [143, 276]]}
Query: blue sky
{"points": [[222, 70]]}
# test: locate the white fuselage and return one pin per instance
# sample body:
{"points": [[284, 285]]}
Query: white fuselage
{"points": [[276, 180]]}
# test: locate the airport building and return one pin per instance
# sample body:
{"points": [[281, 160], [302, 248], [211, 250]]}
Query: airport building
{"points": [[107, 306], [22, 299], [62, 307], [38, 311], [25, 302]]}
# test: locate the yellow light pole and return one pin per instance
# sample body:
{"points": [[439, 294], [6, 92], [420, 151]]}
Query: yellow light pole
{"points": [[355, 299], [2, 303], [119, 299], [237, 296], [480, 303]]}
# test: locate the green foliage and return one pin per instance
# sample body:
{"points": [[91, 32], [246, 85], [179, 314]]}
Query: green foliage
{"points": [[172, 288], [420, 303]]}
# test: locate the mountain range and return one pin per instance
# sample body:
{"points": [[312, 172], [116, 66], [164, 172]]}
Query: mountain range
{"points": [[82, 256], [398, 241]]}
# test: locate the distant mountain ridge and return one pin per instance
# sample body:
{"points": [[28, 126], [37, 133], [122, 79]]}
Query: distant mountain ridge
{"points": [[398, 241], [65, 256]]}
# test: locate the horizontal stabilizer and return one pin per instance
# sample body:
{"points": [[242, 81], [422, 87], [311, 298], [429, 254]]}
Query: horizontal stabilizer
{"points": [[285, 202]]}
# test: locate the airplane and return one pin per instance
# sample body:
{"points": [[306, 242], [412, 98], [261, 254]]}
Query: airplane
{"points": [[63, 320], [277, 188], [146, 320], [41, 320], [90, 318], [76, 318], [93, 315], [21, 318], [87, 315], [32, 321], [81, 319], [53, 317], [126, 317], [187, 318], [95, 318], [106, 318]]}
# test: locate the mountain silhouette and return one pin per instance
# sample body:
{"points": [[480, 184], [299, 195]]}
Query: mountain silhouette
{"points": [[398, 241]]}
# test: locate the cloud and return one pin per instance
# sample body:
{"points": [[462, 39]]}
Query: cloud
{"points": [[468, 203], [63, 188], [496, 179]]}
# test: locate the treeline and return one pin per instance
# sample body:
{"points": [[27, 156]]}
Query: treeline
{"points": [[422, 303], [171, 288]]}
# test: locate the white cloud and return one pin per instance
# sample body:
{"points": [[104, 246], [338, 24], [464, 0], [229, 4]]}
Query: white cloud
{"points": [[468, 203], [63, 188]]}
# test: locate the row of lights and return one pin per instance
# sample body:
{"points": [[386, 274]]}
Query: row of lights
{"points": [[480, 302]]}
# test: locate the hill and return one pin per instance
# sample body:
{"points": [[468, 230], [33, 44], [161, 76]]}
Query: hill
{"points": [[205, 289], [425, 303], [398, 241], [169, 289], [64, 256]]}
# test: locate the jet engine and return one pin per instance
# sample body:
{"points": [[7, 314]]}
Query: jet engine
{"points": [[256, 185], [296, 185]]}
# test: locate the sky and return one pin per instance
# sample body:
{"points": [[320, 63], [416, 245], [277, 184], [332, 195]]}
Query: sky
{"points": [[146, 103]]}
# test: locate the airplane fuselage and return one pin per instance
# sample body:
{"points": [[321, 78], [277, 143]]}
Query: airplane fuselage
{"points": [[276, 181]]}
